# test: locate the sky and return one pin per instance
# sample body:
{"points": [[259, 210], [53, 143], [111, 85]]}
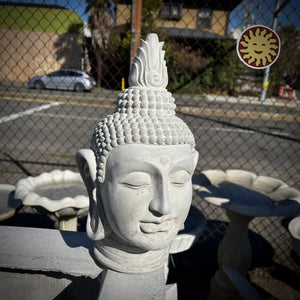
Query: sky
{"points": [[246, 10]]}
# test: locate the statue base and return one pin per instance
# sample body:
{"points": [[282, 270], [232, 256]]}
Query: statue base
{"points": [[146, 286]]}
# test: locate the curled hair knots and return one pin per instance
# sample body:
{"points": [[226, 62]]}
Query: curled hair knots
{"points": [[142, 116], [146, 102]]}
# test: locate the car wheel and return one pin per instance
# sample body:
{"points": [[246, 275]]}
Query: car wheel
{"points": [[79, 87], [39, 85]]}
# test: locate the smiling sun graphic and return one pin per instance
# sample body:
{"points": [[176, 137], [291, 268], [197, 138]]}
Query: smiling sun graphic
{"points": [[258, 47]]}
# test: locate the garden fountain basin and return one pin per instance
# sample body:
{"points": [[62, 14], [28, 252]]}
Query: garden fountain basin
{"points": [[54, 191], [246, 193], [244, 196]]}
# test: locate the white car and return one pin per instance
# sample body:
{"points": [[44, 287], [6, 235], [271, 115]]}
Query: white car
{"points": [[64, 79]]}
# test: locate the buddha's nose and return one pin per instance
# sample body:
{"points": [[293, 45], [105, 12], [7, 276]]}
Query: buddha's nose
{"points": [[160, 203]]}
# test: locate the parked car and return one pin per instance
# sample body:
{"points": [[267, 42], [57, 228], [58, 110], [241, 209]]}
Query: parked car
{"points": [[64, 79]]}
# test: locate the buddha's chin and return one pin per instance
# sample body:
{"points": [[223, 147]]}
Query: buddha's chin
{"points": [[156, 228], [148, 236], [158, 240]]}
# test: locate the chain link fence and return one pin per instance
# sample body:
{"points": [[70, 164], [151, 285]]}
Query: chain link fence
{"points": [[216, 94]]}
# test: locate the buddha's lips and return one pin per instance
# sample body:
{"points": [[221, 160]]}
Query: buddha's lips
{"points": [[151, 227]]}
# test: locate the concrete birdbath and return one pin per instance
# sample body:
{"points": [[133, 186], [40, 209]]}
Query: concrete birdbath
{"points": [[244, 196], [59, 194]]}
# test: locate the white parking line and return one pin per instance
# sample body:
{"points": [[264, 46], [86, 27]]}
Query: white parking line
{"points": [[226, 129], [239, 130], [27, 112]]}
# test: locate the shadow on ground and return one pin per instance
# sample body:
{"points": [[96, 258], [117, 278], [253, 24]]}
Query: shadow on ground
{"points": [[193, 269]]}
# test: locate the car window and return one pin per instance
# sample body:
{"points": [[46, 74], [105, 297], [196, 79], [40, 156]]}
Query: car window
{"points": [[63, 73], [54, 74], [77, 74], [74, 74]]}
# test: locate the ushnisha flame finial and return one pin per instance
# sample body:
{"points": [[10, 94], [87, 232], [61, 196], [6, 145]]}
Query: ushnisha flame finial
{"points": [[149, 66], [145, 112]]}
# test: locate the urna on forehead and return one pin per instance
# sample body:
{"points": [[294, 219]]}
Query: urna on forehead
{"points": [[145, 112]]}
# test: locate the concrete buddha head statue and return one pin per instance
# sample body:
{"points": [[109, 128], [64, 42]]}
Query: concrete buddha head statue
{"points": [[139, 169]]}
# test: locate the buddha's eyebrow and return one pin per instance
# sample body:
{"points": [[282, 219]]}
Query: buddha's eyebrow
{"points": [[183, 163], [139, 165]]}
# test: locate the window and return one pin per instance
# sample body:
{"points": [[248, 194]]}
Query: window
{"points": [[63, 73], [171, 11], [204, 18], [74, 74], [54, 74]]}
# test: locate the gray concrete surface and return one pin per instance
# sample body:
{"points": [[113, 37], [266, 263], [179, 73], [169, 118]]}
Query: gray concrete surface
{"points": [[37, 249]]}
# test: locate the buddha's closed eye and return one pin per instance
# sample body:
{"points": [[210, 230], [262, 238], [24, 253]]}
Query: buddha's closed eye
{"points": [[180, 178], [136, 180]]}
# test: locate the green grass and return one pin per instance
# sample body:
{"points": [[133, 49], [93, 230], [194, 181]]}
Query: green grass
{"points": [[40, 19]]}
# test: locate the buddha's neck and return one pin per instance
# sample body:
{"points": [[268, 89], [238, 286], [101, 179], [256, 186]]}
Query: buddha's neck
{"points": [[122, 258]]}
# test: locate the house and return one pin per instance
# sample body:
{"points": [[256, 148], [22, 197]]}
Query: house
{"points": [[193, 29], [188, 20]]}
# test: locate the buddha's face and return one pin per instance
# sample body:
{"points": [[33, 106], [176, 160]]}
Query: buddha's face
{"points": [[147, 193]]}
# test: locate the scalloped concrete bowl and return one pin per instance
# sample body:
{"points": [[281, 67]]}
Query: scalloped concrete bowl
{"points": [[246, 193], [53, 191], [294, 229]]}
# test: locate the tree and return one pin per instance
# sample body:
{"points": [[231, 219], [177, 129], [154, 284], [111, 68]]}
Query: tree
{"points": [[227, 67], [101, 22], [150, 13], [67, 43], [288, 64]]}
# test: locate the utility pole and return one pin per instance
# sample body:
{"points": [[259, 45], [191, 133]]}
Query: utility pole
{"points": [[136, 21], [267, 70]]}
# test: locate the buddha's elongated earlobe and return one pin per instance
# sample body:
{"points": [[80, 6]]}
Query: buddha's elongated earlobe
{"points": [[195, 158], [86, 164]]}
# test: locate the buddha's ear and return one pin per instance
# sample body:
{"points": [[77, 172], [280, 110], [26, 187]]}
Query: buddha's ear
{"points": [[195, 158], [86, 163]]}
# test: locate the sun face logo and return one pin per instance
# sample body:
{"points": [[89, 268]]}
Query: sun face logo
{"points": [[258, 47]]}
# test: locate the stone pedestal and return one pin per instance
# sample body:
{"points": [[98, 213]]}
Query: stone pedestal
{"points": [[68, 224], [234, 252]]}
